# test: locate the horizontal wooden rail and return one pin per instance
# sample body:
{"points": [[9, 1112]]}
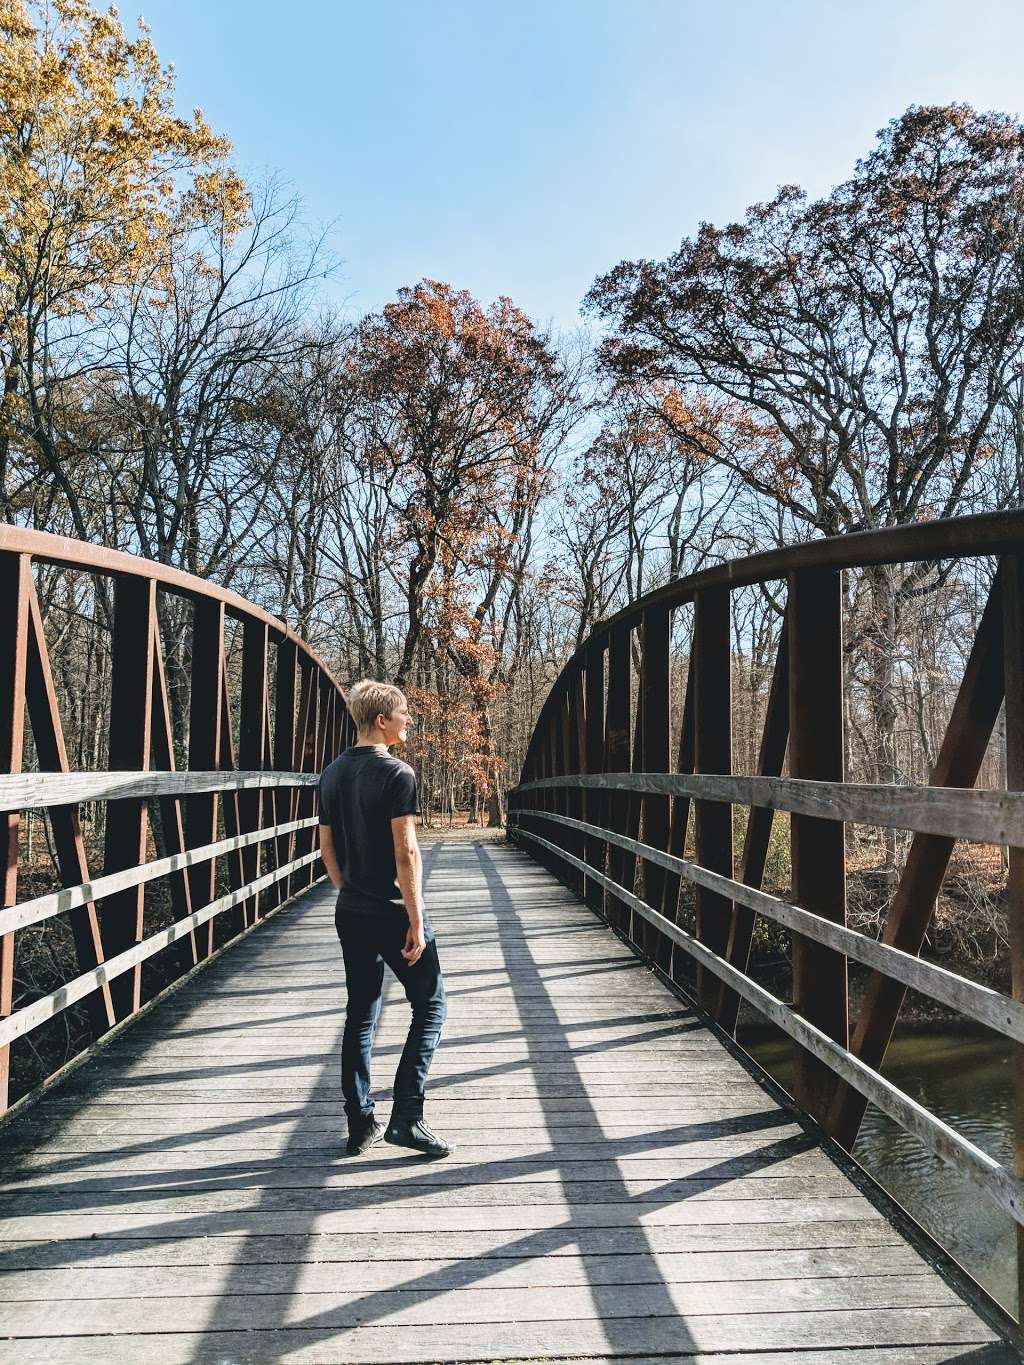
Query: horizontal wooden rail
{"points": [[39, 791], [980, 1003], [990, 817], [24, 1020], [997, 1183], [70, 897]]}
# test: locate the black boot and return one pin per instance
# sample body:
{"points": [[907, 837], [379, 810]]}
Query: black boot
{"points": [[409, 1130], [362, 1135]]}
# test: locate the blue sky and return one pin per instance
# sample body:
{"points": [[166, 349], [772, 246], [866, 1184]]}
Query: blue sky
{"points": [[522, 148]]}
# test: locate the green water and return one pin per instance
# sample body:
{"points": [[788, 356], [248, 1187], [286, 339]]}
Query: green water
{"points": [[964, 1078]]}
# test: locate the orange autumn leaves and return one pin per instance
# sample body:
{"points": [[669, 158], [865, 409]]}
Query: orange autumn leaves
{"points": [[464, 406]]}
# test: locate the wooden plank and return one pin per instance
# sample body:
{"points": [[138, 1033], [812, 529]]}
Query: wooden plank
{"points": [[148, 1153], [511, 1272], [828, 1243], [742, 1177], [549, 753], [39, 791], [148, 1218], [576, 1116], [702, 1342], [443, 1306], [317, 1093], [958, 813]]}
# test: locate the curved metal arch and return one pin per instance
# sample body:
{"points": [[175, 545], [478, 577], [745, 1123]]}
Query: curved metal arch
{"points": [[988, 533], [68, 553]]}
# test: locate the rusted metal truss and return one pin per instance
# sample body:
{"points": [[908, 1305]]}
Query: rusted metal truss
{"points": [[615, 823], [240, 812]]}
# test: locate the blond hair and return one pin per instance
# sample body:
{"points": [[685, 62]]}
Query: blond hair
{"points": [[369, 699]]}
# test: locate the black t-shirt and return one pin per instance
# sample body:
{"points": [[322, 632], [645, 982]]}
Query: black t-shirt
{"points": [[361, 792]]}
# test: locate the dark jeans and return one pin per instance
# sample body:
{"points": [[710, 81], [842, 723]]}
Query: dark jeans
{"points": [[367, 944]]}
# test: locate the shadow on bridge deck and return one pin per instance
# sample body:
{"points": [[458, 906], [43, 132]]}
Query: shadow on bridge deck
{"points": [[622, 1187]]}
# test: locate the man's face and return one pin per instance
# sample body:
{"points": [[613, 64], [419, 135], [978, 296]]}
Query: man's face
{"points": [[393, 728]]}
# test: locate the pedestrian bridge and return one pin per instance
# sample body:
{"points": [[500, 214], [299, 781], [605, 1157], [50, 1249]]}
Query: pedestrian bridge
{"points": [[627, 1184]]}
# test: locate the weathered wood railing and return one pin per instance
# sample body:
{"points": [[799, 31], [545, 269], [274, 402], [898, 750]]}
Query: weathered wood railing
{"points": [[249, 803], [596, 777]]}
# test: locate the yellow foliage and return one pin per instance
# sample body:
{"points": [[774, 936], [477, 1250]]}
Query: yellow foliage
{"points": [[98, 174]]}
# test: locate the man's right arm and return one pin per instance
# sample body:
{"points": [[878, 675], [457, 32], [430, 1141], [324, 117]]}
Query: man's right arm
{"points": [[330, 858], [409, 867]]}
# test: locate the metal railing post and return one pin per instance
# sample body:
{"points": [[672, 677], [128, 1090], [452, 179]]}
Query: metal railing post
{"points": [[654, 759], [817, 845], [127, 824], [712, 703]]}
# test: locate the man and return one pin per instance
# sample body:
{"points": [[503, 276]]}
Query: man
{"points": [[368, 805]]}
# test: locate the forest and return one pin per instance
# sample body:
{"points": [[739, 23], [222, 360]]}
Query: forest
{"points": [[448, 494]]}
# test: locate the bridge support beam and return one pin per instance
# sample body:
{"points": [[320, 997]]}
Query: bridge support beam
{"points": [[15, 590], [593, 800], [818, 852], [654, 759], [957, 765], [285, 801], [127, 829], [252, 750], [616, 760], [677, 827], [1013, 665], [712, 667], [204, 750], [760, 819]]}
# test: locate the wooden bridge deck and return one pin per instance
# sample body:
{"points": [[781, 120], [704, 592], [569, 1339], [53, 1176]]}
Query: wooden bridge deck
{"points": [[622, 1186]]}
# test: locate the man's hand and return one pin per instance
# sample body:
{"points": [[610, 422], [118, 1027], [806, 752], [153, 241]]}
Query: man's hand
{"points": [[414, 944]]}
